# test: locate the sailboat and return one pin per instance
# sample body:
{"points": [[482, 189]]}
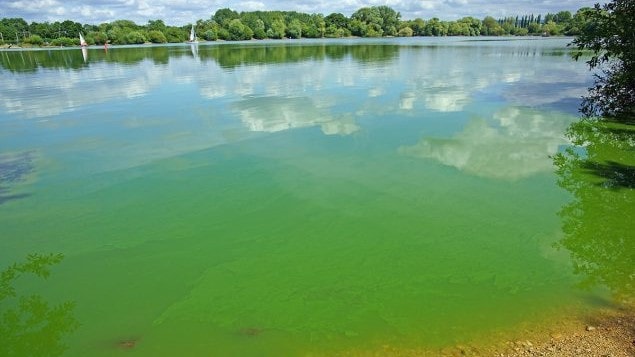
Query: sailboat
{"points": [[192, 36], [82, 42]]}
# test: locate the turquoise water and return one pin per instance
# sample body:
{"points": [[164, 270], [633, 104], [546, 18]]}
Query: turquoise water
{"points": [[290, 197]]}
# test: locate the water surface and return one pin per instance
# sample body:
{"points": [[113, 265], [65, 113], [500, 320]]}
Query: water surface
{"points": [[292, 197]]}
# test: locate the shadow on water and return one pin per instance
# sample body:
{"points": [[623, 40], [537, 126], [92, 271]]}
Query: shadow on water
{"points": [[30, 325], [6, 195], [14, 168], [615, 175], [598, 225]]}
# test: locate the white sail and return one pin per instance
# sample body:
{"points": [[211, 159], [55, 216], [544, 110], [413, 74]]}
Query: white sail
{"points": [[192, 35], [82, 42]]}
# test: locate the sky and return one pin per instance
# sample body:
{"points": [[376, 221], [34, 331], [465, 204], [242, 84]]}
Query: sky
{"points": [[183, 12]]}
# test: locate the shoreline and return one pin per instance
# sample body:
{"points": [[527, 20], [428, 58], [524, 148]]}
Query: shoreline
{"points": [[603, 331], [607, 331]]}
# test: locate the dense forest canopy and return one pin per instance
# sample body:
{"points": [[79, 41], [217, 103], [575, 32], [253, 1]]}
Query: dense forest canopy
{"points": [[229, 25]]}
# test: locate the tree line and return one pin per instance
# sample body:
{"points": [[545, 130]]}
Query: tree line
{"points": [[229, 25]]}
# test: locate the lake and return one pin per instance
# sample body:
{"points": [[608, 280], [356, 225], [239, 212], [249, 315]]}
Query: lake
{"points": [[295, 198]]}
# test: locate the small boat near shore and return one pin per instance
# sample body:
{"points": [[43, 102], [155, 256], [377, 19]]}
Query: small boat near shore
{"points": [[192, 36], [82, 41]]}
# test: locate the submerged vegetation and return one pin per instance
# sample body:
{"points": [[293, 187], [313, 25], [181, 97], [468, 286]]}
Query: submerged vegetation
{"points": [[229, 25]]}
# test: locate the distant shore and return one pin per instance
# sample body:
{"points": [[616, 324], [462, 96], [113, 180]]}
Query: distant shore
{"points": [[7, 46]]}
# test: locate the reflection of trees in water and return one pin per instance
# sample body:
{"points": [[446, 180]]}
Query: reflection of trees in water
{"points": [[231, 56], [226, 55], [32, 60], [598, 225], [29, 325], [13, 169]]}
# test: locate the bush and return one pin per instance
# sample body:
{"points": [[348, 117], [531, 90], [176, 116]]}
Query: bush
{"points": [[156, 36], [239, 31], [405, 32], [175, 35], [65, 42], [210, 35], [98, 38], [135, 37], [34, 40]]}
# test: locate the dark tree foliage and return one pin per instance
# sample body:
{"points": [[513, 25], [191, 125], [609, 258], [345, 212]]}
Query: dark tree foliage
{"points": [[609, 33]]}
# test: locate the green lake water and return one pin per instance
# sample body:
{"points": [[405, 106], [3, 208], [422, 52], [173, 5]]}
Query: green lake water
{"points": [[301, 197]]}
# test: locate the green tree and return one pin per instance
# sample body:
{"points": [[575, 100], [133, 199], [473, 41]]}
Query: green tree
{"points": [[474, 25], [13, 29], [336, 20], [314, 27], [491, 27], [610, 38], [134, 37], [390, 20], [277, 29], [418, 26], [578, 22], [43, 29], [551, 28], [255, 23], [224, 16], [210, 35], [367, 22], [64, 42], [156, 25], [456, 28], [434, 27], [562, 17], [405, 32], [175, 34], [72, 29], [294, 29], [156, 36], [97, 37], [35, 40], [534, 28], [238, 31]]}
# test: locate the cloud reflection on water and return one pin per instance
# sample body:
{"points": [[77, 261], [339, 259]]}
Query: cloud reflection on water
{"points": [[516, 143], [131, 98], [272, 114], [50, 93]]}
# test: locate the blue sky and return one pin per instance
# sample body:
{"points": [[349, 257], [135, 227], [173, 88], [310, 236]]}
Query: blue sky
{"points": [[182, 12]]}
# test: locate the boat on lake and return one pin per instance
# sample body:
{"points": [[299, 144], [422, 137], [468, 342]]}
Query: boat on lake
{"points": [[82, 41], [192, 36]]}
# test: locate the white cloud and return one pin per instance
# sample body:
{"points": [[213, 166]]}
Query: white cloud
{"points": [[180, 12], [253, 5], [515, 143]]}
